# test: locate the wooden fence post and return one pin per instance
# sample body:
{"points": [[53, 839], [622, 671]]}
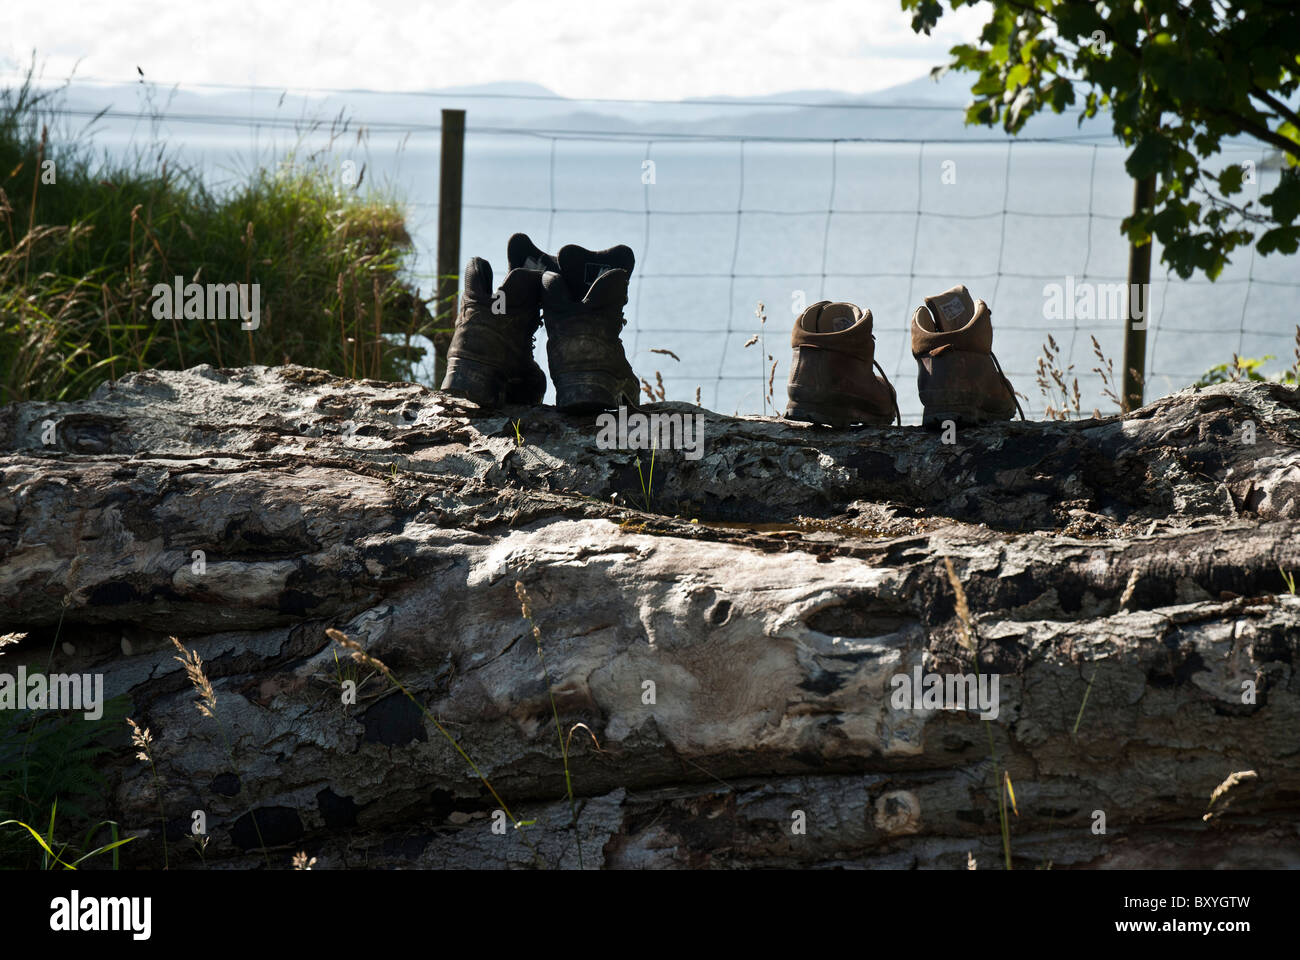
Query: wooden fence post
{"points": [[451, 173], [1139, 305]]}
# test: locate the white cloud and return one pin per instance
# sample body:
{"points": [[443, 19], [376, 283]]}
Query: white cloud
{"points": [[622, 48]]}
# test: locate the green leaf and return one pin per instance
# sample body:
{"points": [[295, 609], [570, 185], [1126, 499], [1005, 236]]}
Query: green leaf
{"points": [[98, 850], [1279, 240], [1230, 179], [1149, 156], [1290, 131], [39, 839], [986, 85], [1177, 79]]}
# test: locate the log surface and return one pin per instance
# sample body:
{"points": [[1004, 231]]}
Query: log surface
{"points": [[729, 637]]}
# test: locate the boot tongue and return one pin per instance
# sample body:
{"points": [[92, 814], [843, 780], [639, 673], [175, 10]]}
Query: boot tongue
{"points": [[522, 252], [522, 288], [555, 292], [581, 268], [478, 279], [952, 309], [609, 289], [833, 317]]}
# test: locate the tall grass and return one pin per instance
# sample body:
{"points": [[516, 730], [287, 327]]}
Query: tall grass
{"points": [[84, 240], [50, 761]]}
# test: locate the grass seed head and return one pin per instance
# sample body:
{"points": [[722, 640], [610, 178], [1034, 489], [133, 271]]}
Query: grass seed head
{"points": [[193, 664], [140, 739]]}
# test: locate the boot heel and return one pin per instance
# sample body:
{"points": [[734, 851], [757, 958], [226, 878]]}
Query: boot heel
{"points": [[837, 415], [805, 412], [963, 416], [474, 381], [591, 392], [960, 406]]}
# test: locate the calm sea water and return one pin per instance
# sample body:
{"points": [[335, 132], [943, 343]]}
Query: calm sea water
{"points": [[724, 226]]}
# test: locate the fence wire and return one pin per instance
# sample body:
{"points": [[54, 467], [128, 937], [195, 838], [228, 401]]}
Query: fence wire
{"points": [[727, 380], [1019, 319]]}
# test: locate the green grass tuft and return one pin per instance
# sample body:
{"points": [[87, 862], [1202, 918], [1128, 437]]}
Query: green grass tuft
{"points": [[79, 258]]}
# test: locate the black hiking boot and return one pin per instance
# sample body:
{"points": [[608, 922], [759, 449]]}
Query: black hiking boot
{"points": [[522, 252], [583, 305], [490, 360]]}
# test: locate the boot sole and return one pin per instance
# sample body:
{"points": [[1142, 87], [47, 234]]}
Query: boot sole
{"points": [[961, 416], [593, 392], [831, 417]]}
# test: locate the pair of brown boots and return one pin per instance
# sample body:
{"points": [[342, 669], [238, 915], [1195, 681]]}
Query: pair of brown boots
{"points": [[959, 379]]}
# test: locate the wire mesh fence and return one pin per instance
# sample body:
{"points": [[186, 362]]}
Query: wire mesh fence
{"points": [[722, 224]]}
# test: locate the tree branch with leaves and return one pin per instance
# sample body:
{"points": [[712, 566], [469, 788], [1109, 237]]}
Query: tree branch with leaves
{"points": [[1178, 79]]}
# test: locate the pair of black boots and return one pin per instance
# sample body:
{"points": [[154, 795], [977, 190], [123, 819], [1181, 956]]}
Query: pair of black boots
{"points": [[580, 294]]}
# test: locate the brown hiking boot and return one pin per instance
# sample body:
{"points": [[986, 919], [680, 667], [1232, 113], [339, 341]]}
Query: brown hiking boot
{"points": [[959, 378], [583, 303], [831, 380], [490, 360]]}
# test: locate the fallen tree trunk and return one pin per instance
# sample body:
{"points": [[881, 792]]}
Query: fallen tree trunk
{"points": [[731, 635]]}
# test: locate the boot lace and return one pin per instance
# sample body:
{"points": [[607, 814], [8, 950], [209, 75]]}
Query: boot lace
{"points": [[893, 394], [1007, 383]]}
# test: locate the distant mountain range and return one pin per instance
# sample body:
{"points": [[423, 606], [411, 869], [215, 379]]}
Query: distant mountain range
{"points": [[885, 114]]}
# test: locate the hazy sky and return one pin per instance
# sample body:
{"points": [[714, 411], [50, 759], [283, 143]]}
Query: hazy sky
{"points": [[616, 48]]}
